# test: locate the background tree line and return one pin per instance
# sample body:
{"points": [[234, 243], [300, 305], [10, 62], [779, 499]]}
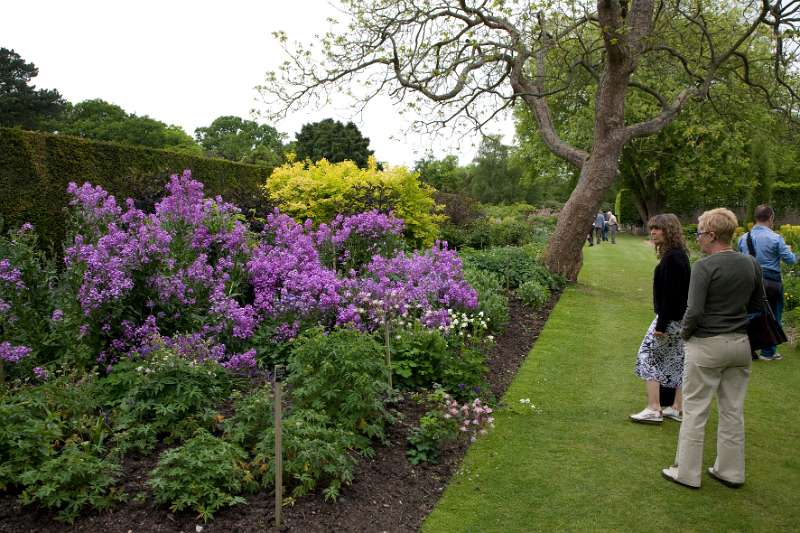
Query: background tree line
{"points": [[227, 137]]}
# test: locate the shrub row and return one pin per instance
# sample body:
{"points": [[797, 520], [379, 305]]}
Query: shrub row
{"points": [[36, 167]]}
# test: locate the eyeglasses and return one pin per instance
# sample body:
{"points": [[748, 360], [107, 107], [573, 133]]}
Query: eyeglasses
{"points": [[699, 233]]}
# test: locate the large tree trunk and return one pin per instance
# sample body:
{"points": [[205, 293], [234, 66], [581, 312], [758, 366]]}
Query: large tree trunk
{"points": [[564, 253]]}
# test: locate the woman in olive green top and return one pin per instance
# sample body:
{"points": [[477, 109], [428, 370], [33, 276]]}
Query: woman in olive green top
{"points": [[723, 286]]}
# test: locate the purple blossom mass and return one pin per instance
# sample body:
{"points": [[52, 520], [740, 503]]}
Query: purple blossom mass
{"points": [[11, 353], [191, 276]]}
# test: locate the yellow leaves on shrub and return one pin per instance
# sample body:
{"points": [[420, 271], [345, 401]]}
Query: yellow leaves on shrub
{"points": [[322, 190]]}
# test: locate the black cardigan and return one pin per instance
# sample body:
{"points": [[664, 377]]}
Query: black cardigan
{"points": [[671, 287]]}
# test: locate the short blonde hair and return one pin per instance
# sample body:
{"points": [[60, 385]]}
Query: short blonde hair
{"points": [[721, 221]]}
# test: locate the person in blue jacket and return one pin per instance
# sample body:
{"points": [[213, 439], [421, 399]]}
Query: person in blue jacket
{"points": [[769, 249]]}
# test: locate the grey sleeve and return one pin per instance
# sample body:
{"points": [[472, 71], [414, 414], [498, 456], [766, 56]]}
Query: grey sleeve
{"points": [[698, 289]]}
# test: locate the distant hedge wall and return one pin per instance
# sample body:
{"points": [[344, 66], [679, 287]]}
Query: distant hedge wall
{"points": [[785, 197], [35, 169]]}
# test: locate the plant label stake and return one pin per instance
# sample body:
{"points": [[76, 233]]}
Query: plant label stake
{"points": [[278, 390]]}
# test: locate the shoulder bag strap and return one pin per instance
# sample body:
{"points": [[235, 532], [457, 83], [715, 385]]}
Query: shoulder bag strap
{"points": [[757, 276], [750, 246]]}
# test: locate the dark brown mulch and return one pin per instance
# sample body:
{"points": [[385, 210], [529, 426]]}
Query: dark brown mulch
{"points": [[388, 493]]}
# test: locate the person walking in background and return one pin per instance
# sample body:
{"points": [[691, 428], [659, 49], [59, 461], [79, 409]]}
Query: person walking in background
{"points": [[612, 226], [605, 226], [599, 223], [769, 249], [660, 358], [723, 286]]}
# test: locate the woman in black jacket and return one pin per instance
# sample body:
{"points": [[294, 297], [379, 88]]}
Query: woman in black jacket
{"points": [[660, 358]]}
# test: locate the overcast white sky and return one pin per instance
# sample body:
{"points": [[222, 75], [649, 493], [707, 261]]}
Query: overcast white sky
{"points": [[188, 62]]}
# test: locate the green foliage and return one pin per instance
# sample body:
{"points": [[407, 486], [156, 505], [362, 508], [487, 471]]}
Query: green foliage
{"points": [[333, 141], [426, 440], [514, 265], [38, 420], [35, 169], [28, 321], [785, 196], [322, 190], [163, 395], [99, 120], [494, 177], [205, 475], [533, 293], [246, 141], [625, 209], [315, 453], [253, 418], [422, 358], [74, 479], [52, 445], [21, 104], [341, 374], [492, 300], [444, 174], [458, 208]]}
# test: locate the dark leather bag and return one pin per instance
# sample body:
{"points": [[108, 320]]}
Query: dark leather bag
{"points": [[763, 330]]}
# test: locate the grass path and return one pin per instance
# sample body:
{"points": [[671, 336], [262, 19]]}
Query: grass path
{"points": [[575, 462]]}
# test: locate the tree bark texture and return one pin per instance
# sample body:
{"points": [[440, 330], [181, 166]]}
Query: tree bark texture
{"points": [[564, 253]]}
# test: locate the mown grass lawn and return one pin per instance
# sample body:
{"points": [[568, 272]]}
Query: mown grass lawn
{"points": [[575, 462]]}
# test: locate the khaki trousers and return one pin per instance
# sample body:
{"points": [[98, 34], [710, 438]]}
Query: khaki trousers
{"points": [[714, 365]]}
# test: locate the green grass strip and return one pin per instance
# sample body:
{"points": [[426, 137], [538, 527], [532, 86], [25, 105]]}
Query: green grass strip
{"points": [[572, 461]]}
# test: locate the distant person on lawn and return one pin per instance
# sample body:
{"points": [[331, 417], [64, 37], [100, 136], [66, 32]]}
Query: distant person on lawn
{"points": [[660, 359], [724, 286], [769, 249], [612, 226], [599, 224]]}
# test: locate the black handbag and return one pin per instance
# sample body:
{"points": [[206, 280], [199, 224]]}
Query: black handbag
{"points": [[763, 330]]}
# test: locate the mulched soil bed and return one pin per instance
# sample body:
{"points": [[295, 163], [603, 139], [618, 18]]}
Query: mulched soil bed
{"points": [[388, 493]]}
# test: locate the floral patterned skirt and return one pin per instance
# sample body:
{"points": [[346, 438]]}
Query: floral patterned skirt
{"points": [[661, 359]]}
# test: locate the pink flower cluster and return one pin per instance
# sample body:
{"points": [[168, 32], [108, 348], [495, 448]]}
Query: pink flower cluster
{"points": [[473, 417]]}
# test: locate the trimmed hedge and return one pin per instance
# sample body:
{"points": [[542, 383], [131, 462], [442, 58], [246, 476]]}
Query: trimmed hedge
{"points": [[36, 167], [785, 197]]}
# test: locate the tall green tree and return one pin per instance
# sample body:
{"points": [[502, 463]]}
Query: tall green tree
{"points": [[102, 121], [245, 141], [494, 178], [443, 174], [334, 141], [463, 61], [21, 104]]}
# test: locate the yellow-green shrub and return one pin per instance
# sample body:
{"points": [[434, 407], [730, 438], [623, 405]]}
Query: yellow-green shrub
{"points": [[791, 234], [321, 190]]}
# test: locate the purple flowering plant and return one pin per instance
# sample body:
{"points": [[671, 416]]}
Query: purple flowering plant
{"points": [[29, 294], [192, 273]]}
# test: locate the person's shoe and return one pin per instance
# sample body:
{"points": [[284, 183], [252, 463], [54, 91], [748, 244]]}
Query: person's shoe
{"points": [[647, 416], [776, 357], [671, 474], [673, 414], [731, 484]]}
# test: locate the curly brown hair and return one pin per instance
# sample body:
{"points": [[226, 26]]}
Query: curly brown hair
{"points": [[673, 233]]}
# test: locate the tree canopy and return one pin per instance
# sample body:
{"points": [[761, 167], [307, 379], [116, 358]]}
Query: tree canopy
{"points": [[467, 60], [102, 121], [245, 141], [334, 141], [21, 104]]}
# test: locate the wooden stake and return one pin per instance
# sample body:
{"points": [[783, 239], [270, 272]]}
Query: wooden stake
{"points": [[388, 353], [278, 392]]}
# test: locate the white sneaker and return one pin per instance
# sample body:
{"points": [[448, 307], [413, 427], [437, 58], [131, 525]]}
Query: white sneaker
{"points": [[647, 416], [674, 414]]}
